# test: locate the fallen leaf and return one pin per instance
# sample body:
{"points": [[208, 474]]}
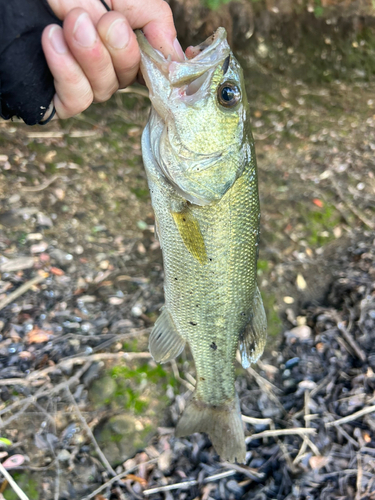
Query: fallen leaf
{"points": [[318, 202], [13, 461], [5, 441], [133, 477], [317, 463], [56, 271], [38, 336]]}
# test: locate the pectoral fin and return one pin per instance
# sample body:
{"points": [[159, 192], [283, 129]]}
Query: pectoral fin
{"points": [[165, 343], [191, 235], [253, 339]]}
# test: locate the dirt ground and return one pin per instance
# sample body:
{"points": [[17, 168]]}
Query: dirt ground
{"points": [[85, 413]]}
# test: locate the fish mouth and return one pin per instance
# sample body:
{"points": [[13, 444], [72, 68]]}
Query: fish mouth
{"points": [[199, 61]]}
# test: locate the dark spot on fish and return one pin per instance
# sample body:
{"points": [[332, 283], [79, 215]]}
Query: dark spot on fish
{"points": [[242, 314], [158, 337], [213, 346], [192, 323], [184, 220], [196, 305], [202, 378], [210, 260], [225, 65], [176, 279]]}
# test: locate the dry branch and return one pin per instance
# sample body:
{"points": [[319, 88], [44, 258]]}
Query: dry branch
{"points": [[22, 289], [13, 484], [353, 416]]}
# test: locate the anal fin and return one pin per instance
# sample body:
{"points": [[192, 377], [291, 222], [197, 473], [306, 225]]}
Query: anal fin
{"points": [[165, 343], [253, 339]]}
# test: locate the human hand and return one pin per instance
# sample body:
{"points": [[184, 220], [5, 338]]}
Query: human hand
{"points": [[96, 52]]}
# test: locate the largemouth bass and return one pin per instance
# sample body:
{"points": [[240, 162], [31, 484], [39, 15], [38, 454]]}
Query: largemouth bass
{"points": [[198, 153]]}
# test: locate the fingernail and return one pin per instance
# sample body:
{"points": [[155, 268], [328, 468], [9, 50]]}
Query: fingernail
{"points": [[178, 49], [118, 34], [57, 40], [84, 31]]}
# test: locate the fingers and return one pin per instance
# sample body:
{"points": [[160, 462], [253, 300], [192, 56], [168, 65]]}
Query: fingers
{"points": [[121, 43], [90, 53], [156, 20], [73, 90]]}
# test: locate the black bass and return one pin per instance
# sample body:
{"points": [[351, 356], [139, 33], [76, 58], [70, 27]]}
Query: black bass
{"points": [[198, 153]]}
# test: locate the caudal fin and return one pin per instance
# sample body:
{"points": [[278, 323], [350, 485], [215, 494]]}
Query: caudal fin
{"points": [[223, 425]]}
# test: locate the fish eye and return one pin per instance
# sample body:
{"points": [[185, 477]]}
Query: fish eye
{"points": [[228, 94]]}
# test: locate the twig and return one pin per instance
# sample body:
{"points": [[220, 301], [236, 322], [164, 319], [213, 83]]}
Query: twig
{"points": [[48, 392], [359, 477], [69, 362], [187, 484], [250, 472], [101, 455], [117, 478], [353, 416], [41, 187], [13, 484], [350, 205], [257, 421], [300, 431], [21, 290], [350, 340], [178, 377]]}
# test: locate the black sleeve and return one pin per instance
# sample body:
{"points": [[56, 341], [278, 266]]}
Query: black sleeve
{"points": [[26, 83]]}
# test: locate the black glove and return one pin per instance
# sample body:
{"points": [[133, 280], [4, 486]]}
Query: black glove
{"points": [[26, 83]]}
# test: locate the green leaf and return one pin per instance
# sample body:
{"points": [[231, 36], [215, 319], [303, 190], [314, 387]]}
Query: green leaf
{"points": [[5, 441]]}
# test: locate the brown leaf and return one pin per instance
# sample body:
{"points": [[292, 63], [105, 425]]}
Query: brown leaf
{"points": [[317, 463], [38, 336]]}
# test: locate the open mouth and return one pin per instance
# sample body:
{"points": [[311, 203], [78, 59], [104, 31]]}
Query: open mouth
{"points": [[199, 62]]}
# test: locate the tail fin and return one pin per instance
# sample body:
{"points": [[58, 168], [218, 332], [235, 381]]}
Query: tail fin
{"points": [[223, 425]]}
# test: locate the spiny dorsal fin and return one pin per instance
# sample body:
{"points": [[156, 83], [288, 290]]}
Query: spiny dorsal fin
{"points": [[253, 339], [165, 343], [190, 233]]}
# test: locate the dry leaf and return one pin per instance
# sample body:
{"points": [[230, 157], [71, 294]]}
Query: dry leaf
{"points": [[56, 271], [38, 336], [317, 463]]}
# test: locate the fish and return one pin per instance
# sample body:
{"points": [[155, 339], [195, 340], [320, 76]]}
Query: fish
{"points": [[199, 156]]}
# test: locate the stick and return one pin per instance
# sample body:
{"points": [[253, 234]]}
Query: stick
{"points": [[359, 478], [256, 421], [353, 416], [117, 478], [22, 289], [68, 362], [301, 431], [101, 455], [13, 484], [187, 484], [350, 340]]}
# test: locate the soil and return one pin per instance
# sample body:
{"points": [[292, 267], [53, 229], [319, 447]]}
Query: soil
{"points": [[81, 283]]}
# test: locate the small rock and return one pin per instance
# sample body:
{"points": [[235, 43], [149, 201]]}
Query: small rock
{"points": [[44, 220], [291, 363], [63, 456], [115, 301], [102, 389], [34, 237], [302, 333], [39, 247], [137, 310], [87, 299], [61, 257], [15, 198], [288, 300]]}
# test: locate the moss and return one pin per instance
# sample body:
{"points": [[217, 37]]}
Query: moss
{"points": [[27, 484], [319, 225]]}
